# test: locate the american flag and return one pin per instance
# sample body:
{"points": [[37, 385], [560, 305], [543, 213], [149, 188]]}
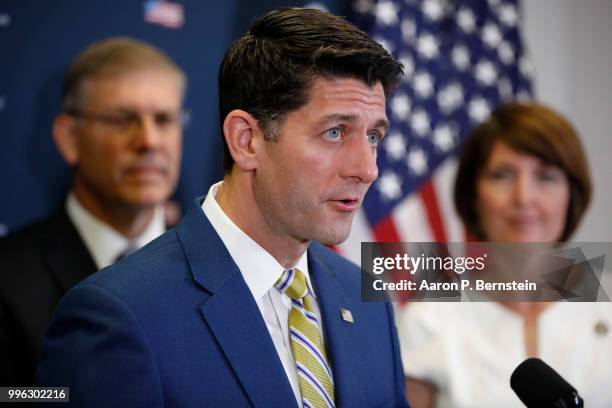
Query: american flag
{"points": [[165, 13], [461, 59]]}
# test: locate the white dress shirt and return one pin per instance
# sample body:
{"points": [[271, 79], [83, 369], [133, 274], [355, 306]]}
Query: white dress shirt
{"points": [[260, 271], [103, 242]]}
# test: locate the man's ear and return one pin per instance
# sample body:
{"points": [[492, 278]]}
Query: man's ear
{"points": [[242, 135], [65, 137]]}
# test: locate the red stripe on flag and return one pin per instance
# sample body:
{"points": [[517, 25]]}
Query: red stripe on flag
{"points": [[429, 197], [385, 230]]}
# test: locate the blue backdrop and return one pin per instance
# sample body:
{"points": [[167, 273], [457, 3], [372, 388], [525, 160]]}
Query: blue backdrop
{"points": [[37, 41]]}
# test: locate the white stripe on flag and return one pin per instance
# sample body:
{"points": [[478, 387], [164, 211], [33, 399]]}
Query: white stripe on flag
{"points": [[410, 219]]}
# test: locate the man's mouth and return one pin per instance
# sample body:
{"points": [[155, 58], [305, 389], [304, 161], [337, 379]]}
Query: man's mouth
{"points": [[145, 172], [345, 204]]}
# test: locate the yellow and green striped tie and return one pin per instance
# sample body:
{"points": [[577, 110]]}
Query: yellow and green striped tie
{"points": [[314, 373]]}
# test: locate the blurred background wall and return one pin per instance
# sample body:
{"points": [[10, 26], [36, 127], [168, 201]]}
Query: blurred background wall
{"points": [[570, 44]]}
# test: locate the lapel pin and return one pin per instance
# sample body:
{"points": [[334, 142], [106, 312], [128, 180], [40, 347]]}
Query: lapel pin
{"points": [[347, 316]]}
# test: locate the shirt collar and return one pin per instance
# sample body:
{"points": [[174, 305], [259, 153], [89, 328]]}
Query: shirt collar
{"points": [[104, 243], [259, 268]]}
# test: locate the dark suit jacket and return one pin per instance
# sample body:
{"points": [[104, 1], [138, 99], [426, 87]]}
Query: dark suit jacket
{"points": [[175, 325], [37, 266]]}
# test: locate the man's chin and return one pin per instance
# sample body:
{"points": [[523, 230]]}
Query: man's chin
{"points": [[334, 236], [146, 197]]}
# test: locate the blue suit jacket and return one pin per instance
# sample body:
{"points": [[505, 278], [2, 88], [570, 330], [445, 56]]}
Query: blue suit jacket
{"points": [[175, 325]]}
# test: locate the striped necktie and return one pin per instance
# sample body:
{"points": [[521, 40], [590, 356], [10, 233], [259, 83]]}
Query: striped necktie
{"points": [[314, 374]]}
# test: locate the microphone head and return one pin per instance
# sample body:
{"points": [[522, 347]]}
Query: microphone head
{"points": [[539, 385]]}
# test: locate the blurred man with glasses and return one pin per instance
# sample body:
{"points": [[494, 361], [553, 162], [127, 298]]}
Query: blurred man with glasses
{"points": [[120, 130]]}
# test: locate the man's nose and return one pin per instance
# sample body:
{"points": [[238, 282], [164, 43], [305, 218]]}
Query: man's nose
{"points": [[360, 160], [147, 134]]}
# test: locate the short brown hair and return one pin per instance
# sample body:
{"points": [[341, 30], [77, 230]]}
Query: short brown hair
{"points": [[269, 71], [532, 129], [113, 56]]}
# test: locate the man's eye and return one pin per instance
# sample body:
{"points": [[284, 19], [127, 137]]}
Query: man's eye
{"points": [[333, 134], [374, 138], [123, 119], [164, 119]]}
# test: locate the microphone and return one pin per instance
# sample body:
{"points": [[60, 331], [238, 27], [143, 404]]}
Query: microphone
{"points": [[539, 386]]}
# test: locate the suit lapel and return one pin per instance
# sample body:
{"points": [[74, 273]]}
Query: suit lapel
{"points": [[64, 252], [239, 328], [233, 316], [346, 364]]}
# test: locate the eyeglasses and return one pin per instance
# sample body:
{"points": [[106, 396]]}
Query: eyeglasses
{"points": [[123, 121]]}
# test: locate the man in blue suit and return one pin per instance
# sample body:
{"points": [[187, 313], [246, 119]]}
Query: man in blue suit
{"points": [[238, 306]]}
